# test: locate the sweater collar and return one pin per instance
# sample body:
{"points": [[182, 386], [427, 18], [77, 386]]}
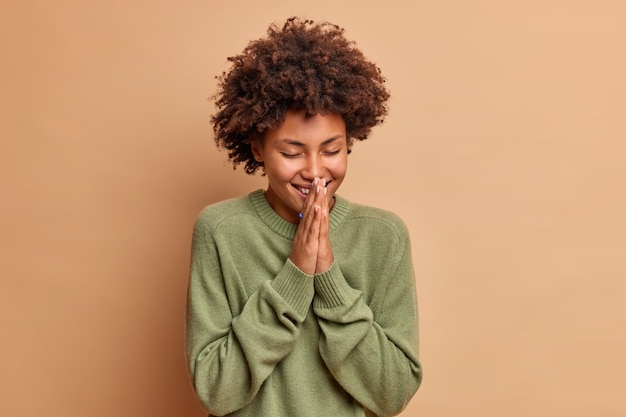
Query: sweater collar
{"points": [[283, 227]]}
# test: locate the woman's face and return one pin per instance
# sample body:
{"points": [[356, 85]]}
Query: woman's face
{"points": [[298, 151]]}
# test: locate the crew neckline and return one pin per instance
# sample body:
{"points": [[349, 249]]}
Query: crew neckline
{"points": [[283, 227]]}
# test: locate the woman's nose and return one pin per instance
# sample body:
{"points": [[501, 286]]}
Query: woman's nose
{"points": [[313, 168]]}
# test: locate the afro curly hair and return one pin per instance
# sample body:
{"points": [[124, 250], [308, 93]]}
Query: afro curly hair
{"points": [[303, 65]]}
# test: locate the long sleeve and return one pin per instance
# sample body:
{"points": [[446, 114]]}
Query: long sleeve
{"points": [[231, 350], [372, 354]]}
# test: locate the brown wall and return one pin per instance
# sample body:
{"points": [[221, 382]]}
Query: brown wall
{"points": [[504, 152]]}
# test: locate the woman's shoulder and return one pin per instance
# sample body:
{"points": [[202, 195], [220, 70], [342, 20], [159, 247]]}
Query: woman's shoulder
{"points": [[370, 215], [215, 213]]}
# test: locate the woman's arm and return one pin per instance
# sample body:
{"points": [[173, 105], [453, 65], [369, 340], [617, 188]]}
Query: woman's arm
{"points": [[372, 355], [230, 355]]}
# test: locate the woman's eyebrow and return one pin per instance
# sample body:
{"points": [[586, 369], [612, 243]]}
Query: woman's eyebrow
{"points": [[332, 139], [298, 143]]}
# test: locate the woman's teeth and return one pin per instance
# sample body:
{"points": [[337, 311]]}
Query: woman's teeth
{"points": [[307, 190]]}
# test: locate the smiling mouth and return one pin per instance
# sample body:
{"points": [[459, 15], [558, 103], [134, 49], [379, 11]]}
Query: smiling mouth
{"points": [[307, 190]]}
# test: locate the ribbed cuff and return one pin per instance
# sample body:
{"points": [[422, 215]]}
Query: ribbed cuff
{"points": [[332, 290], [295, 287]]}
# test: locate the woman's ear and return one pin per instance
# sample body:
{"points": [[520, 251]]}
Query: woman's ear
{"points": [[257, 146]]}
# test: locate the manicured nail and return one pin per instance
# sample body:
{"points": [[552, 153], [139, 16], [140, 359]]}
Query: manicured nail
{"points": [[317, 208], [315, 181], [325, 190], [317, 190], [324, 183]]}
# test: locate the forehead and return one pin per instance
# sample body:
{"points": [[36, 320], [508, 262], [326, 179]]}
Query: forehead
{"points": [[308, 129]]}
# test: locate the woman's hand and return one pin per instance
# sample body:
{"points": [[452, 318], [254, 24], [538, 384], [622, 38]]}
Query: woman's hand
{"points": [[311, 251], [325, 257]]}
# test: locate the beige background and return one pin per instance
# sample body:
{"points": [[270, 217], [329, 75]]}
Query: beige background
{"points": [[504, 153]]}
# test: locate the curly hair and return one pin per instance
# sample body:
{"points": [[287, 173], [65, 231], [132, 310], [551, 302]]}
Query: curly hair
{"points": [[303, 65]]}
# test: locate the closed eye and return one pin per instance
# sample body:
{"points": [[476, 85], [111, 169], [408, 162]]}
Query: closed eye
{"points": [[289, 155]]}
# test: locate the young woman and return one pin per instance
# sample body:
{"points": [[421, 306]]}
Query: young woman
{"points": [[300, 302]]}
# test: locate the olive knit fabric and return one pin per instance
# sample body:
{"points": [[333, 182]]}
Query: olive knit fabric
{"points": [[265, 339]]}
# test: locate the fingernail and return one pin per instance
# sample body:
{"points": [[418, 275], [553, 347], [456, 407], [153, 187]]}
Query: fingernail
{"points": [[325, 190], [317, 189], [315, 181], [324, 183], [317, 208]]}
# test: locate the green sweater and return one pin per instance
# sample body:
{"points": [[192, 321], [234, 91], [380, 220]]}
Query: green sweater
{"points": [[265, 339]]}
